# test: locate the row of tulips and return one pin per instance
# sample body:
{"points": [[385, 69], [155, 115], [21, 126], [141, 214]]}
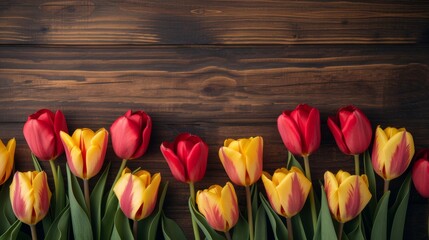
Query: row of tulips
{"points": [[99, 214]]}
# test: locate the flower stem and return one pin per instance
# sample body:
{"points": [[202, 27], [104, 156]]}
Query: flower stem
{"points": [[340, 231], [194, 223], [312, 201], [386, 185], [289, 228], [87, 196], [249, 211], [227, 235], [135, 229], [357, 168], [121, 168], [55, 174], [33, 232]]}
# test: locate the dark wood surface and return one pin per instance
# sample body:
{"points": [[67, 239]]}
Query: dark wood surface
{"points": [[216, 69]]}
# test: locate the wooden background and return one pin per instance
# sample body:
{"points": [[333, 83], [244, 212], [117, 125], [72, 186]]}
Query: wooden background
{"points": [[217, 69]]}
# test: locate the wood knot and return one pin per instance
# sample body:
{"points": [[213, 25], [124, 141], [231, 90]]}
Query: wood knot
{"points": [[218, 86]]}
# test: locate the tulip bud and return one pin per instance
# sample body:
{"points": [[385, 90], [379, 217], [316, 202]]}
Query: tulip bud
{"points": [[420, 173], [7, 154], [351, 130], [186, 157], [85, 151], [392, 152], [300, 129], [42, 133], [137, 193], [219, 206], [347, 194], [131, 134], [287, 190], [242, 159], [30, 196]]}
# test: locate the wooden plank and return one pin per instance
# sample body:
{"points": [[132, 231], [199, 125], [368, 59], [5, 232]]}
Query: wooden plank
{"points": [[213, 22]]}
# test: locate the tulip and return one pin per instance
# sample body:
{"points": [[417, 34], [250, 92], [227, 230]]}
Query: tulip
{"points": [[300, 129], [6, 159], [30, 196], [392, 152], [131, 134], [219, 206], [186, 157], [420, 173], [347, 194], [42, 133], [137, 193]]}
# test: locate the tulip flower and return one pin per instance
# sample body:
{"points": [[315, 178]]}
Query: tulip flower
{"points": [[137, 194], [420, 173], [392, 153], [7, 154], [30, 197], [131, 134], [186, 157], [42, 133], [219, 206]]}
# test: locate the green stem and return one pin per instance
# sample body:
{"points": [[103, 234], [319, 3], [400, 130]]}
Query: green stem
{"points": [[340, 231], [135, 229], [386, 185], [55, 174], [194, 223], [227, 235], [249, 211], [357, 167], [312, 201], [118, 175], [289, 228], [33, 232], [87, 196]]}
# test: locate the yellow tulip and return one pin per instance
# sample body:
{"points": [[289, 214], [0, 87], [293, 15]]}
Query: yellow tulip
{"points": [[347, 194], [242, 159], [137, 193], [287, 190], [7, 154], [30, 196], [219, 206], [85, 151]]}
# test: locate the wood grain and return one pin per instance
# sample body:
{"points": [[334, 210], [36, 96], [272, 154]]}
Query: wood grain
{"points": [[133, 22]]}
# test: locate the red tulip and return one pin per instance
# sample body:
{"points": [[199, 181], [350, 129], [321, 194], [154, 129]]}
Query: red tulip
{"points": [[300, 129], [186, 157], [420, 173], [42, 133], [351, 129], [130, 134]]}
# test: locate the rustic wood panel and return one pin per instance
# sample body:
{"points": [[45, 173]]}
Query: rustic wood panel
{"points": [[113, 22]]}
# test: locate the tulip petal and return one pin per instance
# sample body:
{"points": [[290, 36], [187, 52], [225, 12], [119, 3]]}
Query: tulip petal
{"points": [[272, 193], [296, 188], [312, 132], [254, 153], [40, 138], [175, 165], [357, 132], [234, 165], [150, 196], [59, 125], [196, 163], [129, 195], [145, 136], [209, 206], [420, 176], [42, 195], [377, 158], [125, 137], [290, 134], [95, 154], [331, 189], [338, 135], [21, 197], [229, 205], [353, 195], [399, 150]]}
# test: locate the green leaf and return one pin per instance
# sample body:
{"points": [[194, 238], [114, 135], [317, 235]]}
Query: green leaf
{"points": [[398, 212], [241, 229], [298, 228], [60, 203], [379, 228], [12, 232], [153, 227], [36, 163], [254, 197], [355, 229], [7, 217], [122, 226], [279, 228], [171, 229], [202, 223], [109, 216], [60, 226], [292, 162], [261, 224], [79, 213], [96, 202], [369, 210], [324, 228]]}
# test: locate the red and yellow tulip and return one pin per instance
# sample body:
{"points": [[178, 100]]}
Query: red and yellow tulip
{"points": [[242, 159], [137, 193], [347, 194], [7, 154], [392, 152], [219, 206], [85, 151], [30, 196], [420, 173], [287, 190]]}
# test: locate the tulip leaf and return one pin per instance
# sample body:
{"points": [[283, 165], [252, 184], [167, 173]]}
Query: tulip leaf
{"points": [[261, 224], [36, 163], [379, 228], [153, 226], [292, 162], [279, 228], [372, 204], [298, 227], [171, 229], [202, 223], [79, 214], [324, 227], [122, 229], [398, 212], [241, 229], [96, 202], [254, 197], [354, 229], [12, 232], [109, 215], [60, 203], [60, 226], [7, 217]]}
